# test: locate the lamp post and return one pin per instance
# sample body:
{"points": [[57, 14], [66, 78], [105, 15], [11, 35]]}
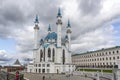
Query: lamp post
{"points": [[114, 74], [98, 75], [7, 76]]}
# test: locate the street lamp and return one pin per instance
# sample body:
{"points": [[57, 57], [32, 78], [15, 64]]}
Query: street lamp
{"points": [[7, 76], [114, 74]]}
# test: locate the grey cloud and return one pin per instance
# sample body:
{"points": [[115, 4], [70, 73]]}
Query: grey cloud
{"points": [[27, 59], [90, 6], [11, 18], [5, 59], [11, 13], [14, 16], [46, 9]]}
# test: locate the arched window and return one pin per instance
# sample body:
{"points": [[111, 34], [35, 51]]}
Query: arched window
{"points": [[63, 56], [41, 55], [53, 55], [44, 55], [49, 52]]}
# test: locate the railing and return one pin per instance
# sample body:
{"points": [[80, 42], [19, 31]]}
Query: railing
{"points": [[94, 75]]}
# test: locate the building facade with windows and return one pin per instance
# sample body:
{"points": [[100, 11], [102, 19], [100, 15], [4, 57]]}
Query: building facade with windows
{"points": [[109, 58], [52, 54]]}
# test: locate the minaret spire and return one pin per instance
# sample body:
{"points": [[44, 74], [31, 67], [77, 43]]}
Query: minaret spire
{"points": [[36, 19], [68, 25], [49, 28], [59, 12]]}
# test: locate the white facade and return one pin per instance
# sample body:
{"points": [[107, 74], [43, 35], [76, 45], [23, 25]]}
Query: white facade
{"points": [[51, 54], [101, 58]]}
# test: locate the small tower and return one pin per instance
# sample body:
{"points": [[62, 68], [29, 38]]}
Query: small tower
{"points": [[36, 34], [59, 26], [17, 63], [49, 28], [69, 34]]}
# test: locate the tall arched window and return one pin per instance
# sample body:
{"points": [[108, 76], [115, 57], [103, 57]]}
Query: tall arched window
{"points": [[49, 52], [63, 56], [53, 57], [44, 55], [41, 55]]}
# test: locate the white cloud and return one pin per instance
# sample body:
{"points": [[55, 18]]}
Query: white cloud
{"points": [[4, 57], [91, 28], [100, 38]]}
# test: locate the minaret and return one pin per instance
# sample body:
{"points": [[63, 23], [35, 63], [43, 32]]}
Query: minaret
{"points": [[59, 26], [49, 28], [69, 34], [36, 29]]}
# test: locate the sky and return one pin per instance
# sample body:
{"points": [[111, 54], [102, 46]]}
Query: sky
{"points": [[95, 25]]}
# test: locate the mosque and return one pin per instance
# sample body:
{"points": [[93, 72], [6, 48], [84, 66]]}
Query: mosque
{"points": [[52, 54]]}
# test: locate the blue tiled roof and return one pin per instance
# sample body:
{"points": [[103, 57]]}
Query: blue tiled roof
{"points": [[52, 35], [47, 44]]}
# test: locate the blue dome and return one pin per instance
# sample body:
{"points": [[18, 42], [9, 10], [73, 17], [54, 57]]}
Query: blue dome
{"points": [[52, 35]]}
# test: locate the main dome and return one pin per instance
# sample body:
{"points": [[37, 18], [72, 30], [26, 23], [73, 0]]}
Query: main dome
{"points": [[52, 35]]}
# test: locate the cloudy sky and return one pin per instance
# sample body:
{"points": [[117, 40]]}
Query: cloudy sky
{"points": [[95, 25]]}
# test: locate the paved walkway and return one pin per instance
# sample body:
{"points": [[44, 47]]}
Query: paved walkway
{"points": [[35, 76]]}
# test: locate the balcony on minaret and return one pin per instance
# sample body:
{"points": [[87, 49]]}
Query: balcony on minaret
{"points": [[59, 22], [36, 27], [69, 31]]}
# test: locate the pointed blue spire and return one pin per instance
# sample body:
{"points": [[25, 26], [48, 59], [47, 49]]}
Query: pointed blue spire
{"points": [[49, 28], [41, 41], [66, 37], [59, 12], [36, 19], [68, 25]]}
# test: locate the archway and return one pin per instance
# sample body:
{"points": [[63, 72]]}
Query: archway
{"points": [[63, 56]]}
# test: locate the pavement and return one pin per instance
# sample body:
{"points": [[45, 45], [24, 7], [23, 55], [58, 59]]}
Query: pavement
{"points": [[38, 76]]}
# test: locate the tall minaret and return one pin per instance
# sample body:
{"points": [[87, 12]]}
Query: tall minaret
{"points": [[69, 34], [59, 26], [36, 34]]}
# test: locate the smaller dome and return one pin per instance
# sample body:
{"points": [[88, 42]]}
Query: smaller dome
{"points": [[52, 35]]}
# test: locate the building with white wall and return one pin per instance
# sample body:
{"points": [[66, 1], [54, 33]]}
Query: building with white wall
{"points": [[52, 54], [108, 58]]}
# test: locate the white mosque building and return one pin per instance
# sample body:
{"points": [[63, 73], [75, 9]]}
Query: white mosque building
{"points": [[52, 54]]}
